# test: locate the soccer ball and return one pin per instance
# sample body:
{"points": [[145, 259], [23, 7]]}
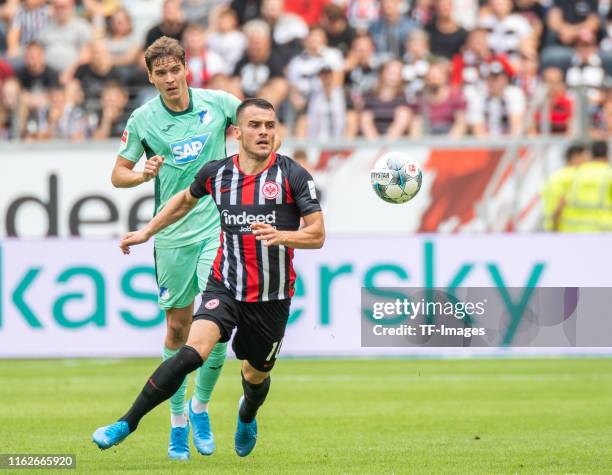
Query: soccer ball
{"points": [[396, 177]]}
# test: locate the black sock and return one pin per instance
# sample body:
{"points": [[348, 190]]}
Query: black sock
{"points": [[254, 397], [162, 384]]}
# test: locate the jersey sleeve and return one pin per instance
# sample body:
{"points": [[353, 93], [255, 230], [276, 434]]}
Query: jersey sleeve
{"points": [[202, 183], [230, 104], [303, 189], [131, 144]]}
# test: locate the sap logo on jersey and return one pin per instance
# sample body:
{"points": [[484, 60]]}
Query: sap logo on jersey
{"points": [[244, 218], [188, 150]]}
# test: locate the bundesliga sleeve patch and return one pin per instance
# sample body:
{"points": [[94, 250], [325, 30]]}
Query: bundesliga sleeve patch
{"points": [[124, 139], [312, 189]]}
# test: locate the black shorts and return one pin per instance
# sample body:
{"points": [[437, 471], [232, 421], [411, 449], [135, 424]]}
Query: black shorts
{"points": [[260, 326]]}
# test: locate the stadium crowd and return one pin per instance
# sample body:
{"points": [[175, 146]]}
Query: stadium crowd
{"points": [[332, 68]]}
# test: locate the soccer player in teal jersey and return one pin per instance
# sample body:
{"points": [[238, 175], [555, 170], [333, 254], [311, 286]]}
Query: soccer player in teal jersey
{"points": [[179, 131]]}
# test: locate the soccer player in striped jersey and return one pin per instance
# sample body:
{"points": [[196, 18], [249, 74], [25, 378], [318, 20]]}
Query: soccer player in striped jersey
{"points": [[262, 198]]}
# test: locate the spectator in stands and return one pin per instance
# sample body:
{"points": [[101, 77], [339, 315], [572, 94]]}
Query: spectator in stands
{"points": [[568, 18], [416, 64], [507, 30], [28, 22], [202, 63], [467, 65], [172, 23], [37, 79], [587, 68], [528, 76], [11, 110], [246, 10], [63, 119], [499, 109], [121, 42], [339, 33], [440, 110], [258, 65], [65, 39], [446, 37], [303, 69], [561, 104], [385, 112], [330, 112], [361, 69], [93, 75], [565, 22], [288, 30], [114, 115], [533, 11], [35, 75], [391, 30], [228, 41], [361, 14]]}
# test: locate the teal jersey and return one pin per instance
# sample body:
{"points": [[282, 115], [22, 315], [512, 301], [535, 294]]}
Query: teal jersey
{"points": [[187, 140]]}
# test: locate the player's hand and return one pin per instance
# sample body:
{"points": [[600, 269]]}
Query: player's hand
{"points": [[131, 239], [151, 167], [268, 234]]}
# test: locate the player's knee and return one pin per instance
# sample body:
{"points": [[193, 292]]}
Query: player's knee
{"points": [[252, 375]]}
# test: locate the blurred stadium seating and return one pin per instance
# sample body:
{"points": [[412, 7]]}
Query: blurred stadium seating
{"points": [[340, 69]]}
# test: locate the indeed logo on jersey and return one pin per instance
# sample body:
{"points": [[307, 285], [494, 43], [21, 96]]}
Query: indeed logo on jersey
{"points": [[188, 150], [245, 220]]}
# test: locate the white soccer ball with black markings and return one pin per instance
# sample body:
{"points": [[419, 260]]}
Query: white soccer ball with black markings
{"points": [[396, 177]]}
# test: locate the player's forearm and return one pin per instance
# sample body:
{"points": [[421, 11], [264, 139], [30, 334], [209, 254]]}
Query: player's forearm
{"points": [[177, 207], [126, 178], [309, 237]]}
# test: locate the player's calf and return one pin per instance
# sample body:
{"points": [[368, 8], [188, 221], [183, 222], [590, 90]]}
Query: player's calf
{"points": [[161, 385], [164, 382]]}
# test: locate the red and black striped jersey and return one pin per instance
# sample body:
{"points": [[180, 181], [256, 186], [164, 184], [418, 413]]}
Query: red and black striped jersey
{"points": [[279, 195]]}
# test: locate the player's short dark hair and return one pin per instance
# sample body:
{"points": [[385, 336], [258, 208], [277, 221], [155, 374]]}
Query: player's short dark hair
{"points": [[254, 102], [161, 47], [573, 150], [599, 149]]}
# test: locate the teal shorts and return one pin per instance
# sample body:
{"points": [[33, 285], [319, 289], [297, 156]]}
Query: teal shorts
{"points": [[182, 272]]}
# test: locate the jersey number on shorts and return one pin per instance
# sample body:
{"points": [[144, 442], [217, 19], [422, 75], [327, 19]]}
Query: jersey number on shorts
{"points": [[276, 346]]}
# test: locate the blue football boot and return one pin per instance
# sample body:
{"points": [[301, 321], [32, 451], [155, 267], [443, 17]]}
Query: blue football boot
{"points": [[246, 435], [203, 438], [107, 436], [178, 448]]}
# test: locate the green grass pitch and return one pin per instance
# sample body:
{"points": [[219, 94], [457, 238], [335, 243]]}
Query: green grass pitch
{"points": [[332, 416]]}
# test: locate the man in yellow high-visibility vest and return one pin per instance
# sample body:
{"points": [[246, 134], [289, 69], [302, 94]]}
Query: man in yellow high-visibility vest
{"points": [[557, 185], [587, 203]]}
